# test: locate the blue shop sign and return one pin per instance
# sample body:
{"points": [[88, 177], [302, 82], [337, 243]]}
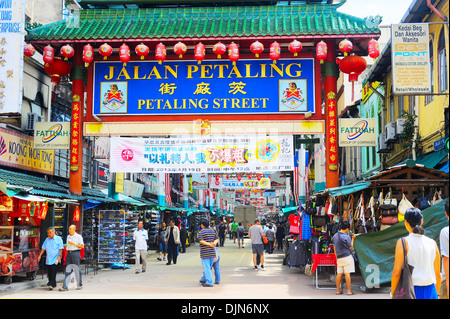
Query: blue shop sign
{"points": [[212, 87]]}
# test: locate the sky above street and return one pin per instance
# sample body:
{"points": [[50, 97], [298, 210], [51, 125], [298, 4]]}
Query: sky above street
{"points": [[392, 11]]}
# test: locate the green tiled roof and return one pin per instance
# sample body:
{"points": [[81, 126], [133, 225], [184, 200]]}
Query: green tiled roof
{"points": [[27, 181], [203, 22]]}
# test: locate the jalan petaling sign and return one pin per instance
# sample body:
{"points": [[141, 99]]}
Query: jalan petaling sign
{"points": [[212, 87], [358, 132]]}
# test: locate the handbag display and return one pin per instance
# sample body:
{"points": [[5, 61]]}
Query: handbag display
{"points": [[389, 206], [402, 207], [405, 287], [423, 201], [389, 220], [436, 198]]}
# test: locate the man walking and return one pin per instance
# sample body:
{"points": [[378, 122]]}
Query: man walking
{"points": [[234, 227], [222, 230], [162, 247], [53, 246], [73, 259], [343, 245], [183, 237], [208, 240], [256, 234], [172, 238], [140, 237], [240, 235]]}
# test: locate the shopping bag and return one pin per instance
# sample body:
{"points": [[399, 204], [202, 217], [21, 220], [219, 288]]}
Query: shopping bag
{"points": [[405, 287], [402, 207], [436, 198]]}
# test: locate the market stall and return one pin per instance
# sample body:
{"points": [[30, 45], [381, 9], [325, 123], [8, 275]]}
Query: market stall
{"points": [[20, 222]]}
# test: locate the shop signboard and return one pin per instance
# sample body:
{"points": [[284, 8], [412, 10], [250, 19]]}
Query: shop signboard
{"points": [[213, 87], [410, 59], [212, 154], [52, 135], [17, 150], [199, 181], [12, 23], [102, 173], [358, 132]]}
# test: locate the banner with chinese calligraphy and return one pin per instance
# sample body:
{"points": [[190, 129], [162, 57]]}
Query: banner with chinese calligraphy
{"points": [[244, 183], [212, 154], [12, 30], [76, 135], [213, 87], [332, 131]]}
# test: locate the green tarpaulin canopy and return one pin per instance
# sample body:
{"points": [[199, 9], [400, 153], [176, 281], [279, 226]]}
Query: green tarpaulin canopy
{"points": [[379, 248], [347, 189]]}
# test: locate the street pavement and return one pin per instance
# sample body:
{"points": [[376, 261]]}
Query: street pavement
{"points": [[181, 281]]}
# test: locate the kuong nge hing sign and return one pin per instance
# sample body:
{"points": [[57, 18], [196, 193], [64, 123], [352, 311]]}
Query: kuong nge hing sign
{"points": [[212, 87]]}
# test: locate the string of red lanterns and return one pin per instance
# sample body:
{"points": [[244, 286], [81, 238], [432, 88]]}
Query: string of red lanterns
{"points": [[257, 48], [142, 50]]}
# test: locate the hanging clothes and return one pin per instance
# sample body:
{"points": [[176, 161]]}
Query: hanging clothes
{"points": [[297, 254], [294, 220], [305, 227]]}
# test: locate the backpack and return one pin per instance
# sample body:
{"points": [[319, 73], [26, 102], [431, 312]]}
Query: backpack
{"points": [[240, 231]]}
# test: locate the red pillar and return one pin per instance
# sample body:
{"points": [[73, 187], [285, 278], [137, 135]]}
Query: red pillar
{"points": [[76, 145], [332, 158]]}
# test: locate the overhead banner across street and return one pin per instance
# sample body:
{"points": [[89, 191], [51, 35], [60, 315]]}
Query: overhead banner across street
{"points": [[213, 87], [212, 154]]}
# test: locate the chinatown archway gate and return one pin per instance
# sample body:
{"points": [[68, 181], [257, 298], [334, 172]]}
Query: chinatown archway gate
{"points": [[190, 101]]}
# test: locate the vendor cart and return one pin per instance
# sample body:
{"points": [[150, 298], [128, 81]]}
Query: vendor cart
{"points": [[19, 251]]}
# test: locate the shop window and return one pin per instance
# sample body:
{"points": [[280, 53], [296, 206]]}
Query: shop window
{"points": [[430, 98], [442, 63]]}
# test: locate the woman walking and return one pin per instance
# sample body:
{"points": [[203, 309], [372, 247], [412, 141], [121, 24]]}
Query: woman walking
{"points": [[423, 253]]}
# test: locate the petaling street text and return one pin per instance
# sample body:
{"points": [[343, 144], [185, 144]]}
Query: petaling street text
{"points": [[204, 104]]}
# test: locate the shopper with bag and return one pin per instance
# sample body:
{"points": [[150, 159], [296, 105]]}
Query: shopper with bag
{"points": [[343, 245], [422, 254]]}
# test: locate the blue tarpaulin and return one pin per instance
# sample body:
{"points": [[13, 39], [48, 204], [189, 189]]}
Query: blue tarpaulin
{"points": [[347, 189]]}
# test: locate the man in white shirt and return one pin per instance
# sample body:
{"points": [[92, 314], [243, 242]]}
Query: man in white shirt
{"points": [[73, 259], [140, 236]]}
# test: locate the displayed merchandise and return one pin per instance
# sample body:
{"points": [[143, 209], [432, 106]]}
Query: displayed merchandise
{"points": [[115, 236], [90, 233], [152, 223], [294, 223]]}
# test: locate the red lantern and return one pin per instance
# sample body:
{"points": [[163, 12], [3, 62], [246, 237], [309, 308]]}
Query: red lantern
{"points": [[321, 51], [105, 50], [295, 47], [124, 54], [49, 54], [374, 50], [180, 49], [28, 50], [228, 176], [199, 52], [275, 51], [239, 178], [142, 50], [353, 65], [160, 53], [57, 69], [258, 177], [257, 48], [345, 46], [88, 54], [233, 52], [219, 49], [217, 177], [67, 52], [76, 214]]}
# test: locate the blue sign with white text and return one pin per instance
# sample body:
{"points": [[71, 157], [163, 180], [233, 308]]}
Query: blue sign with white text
{"points": [[212, 87]]}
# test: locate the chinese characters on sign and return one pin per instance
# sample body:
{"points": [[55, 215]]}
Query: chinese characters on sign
{"points": [[332, 131], [75, 138], [212, 154]]}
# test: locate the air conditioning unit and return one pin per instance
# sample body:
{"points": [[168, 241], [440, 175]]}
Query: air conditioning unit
{"points": [[399, 126], [382, 146], [32, 119], [390, 132]]}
